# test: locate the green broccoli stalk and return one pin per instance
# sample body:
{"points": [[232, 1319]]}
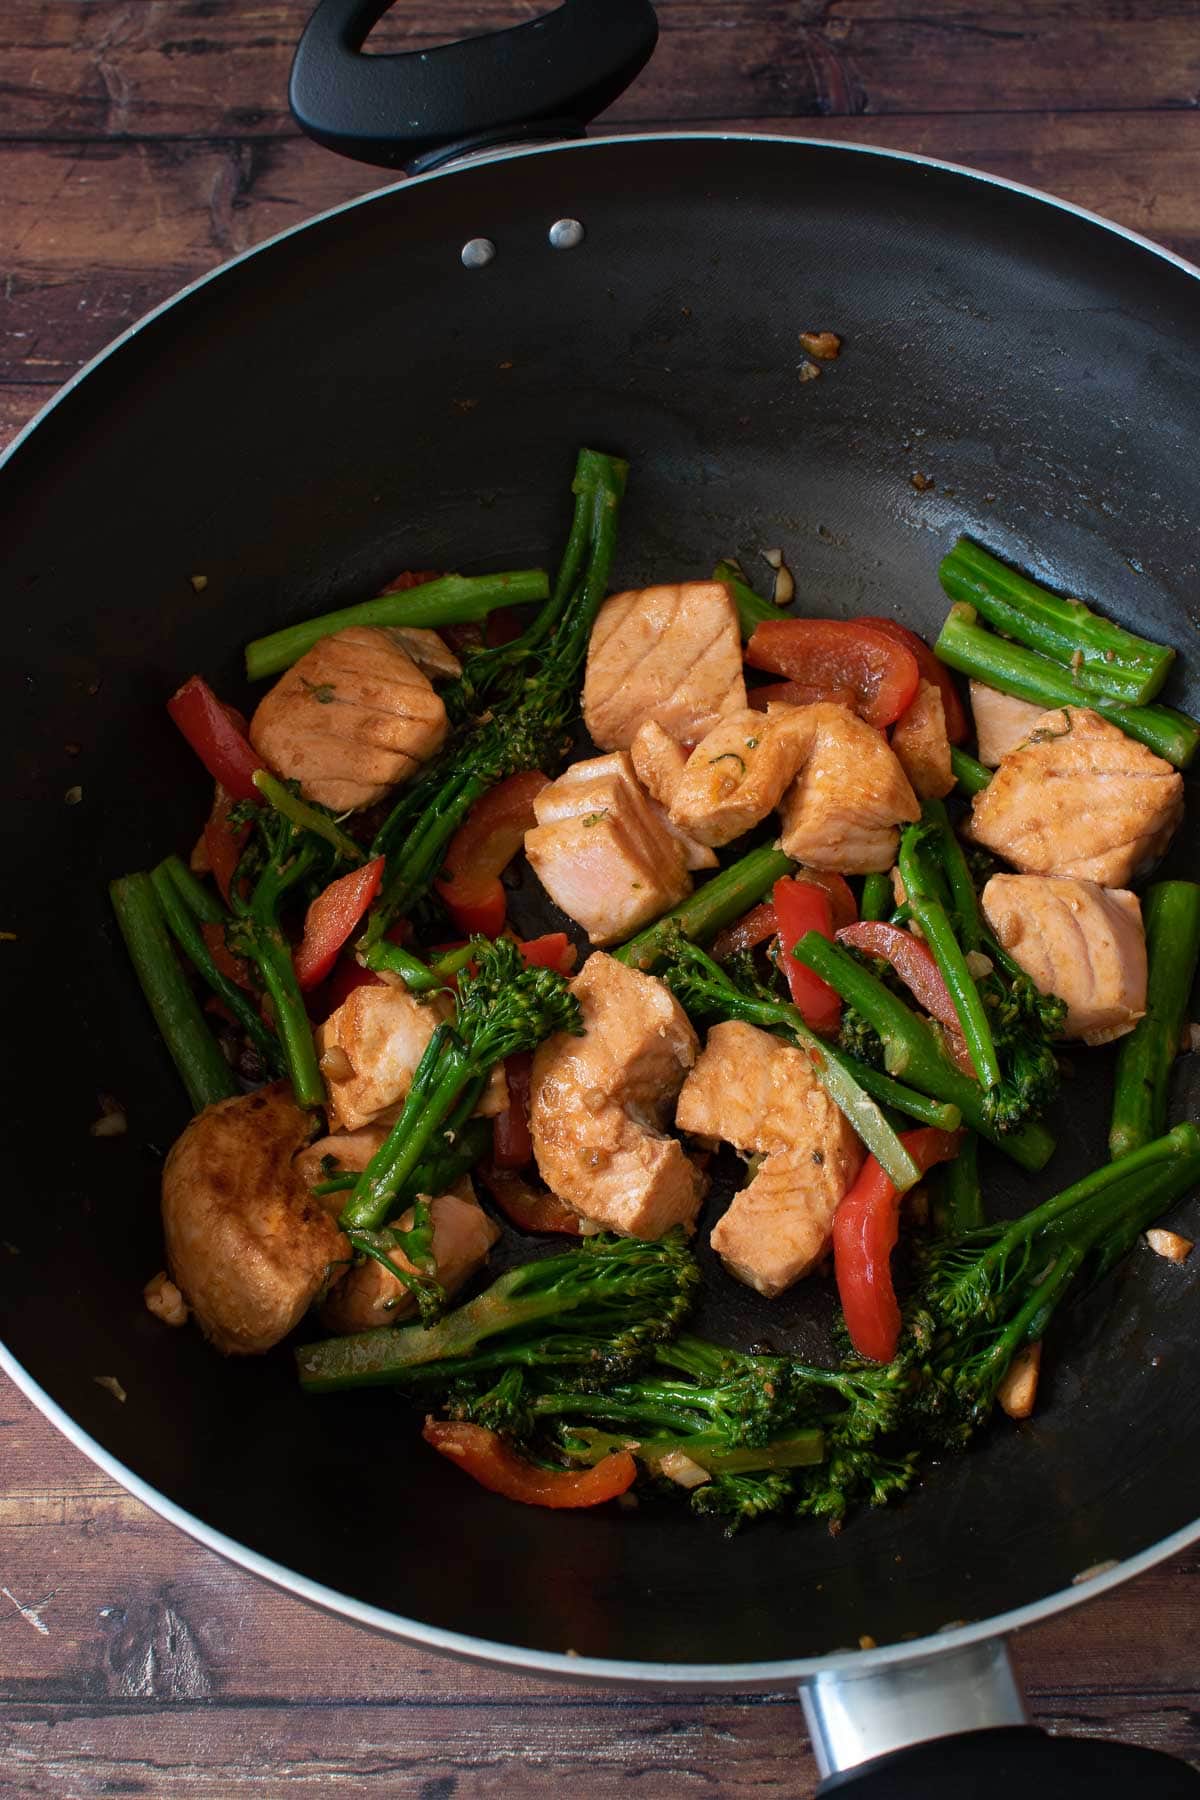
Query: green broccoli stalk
{"points": [[592, 1314], [512, 707], [503, 1008]]}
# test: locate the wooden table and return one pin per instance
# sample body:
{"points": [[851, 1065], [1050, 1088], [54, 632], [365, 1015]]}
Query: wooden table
{"points": [[144, 141]]}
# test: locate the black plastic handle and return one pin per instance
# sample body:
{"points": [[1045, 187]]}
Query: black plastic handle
{"points": [[1016, 1760], [546, 79]]}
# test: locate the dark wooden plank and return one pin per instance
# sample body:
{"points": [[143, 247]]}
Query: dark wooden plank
{"points": [[140, 1659], [208, 67], [96, 234]]}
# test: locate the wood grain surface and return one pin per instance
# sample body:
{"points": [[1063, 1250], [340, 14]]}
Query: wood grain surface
{"points": [[141, 143]]}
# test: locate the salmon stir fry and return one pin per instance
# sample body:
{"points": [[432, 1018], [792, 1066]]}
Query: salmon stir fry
{"points": [[517, 962]]}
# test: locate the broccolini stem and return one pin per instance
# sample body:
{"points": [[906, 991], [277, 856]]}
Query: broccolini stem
{"points": [[1171, 915], [433, 1177], [187, 934], [970, 774], [752, 609], [959, 1203], [877, 897], [451, 600], [970, 648], [938, 1113], [257, 933], [1102, 657], [710, 1449], [194, 1051], [964, 901], [307, 818], [913, 1050], [927, 909], [195, 896], [419, 977], [436, 1085], [726, 897]]}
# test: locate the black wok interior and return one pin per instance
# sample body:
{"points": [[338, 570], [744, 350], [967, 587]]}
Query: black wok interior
{"points": [[353, 402]]}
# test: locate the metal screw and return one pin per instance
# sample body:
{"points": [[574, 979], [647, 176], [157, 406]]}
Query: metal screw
{"points": [[478, 253], [566, 234]]}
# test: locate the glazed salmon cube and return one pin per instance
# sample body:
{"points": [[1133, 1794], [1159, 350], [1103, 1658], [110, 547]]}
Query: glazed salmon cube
{"points": [[844, 808], [670, 653], [1082, 942], [1001, 722], [921, 745]]}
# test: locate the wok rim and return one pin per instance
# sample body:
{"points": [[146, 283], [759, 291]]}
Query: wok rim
{"points": [[1086, 1585]]}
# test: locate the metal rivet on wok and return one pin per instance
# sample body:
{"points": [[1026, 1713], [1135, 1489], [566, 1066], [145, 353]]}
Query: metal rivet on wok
{"points": [[478, 253], [566, 234]]}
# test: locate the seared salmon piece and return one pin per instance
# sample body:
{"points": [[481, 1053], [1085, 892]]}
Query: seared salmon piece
{"points": [[462, 1236], [247, 1245], [921, 746], [1082, 942], [345, 1151], [1001, 722], [658, 763], [844, 808], [1078, 797], [600, 1104], [350, 720], [753, 1091], [431, 653], [673, 654], [739, 773], [601, 851], [369, 1050]]}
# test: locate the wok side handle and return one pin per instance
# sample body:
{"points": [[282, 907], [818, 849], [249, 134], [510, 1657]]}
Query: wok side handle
{"points": [[954, 1724], [412, 110]]}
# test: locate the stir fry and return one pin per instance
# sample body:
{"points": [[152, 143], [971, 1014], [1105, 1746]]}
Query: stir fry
{"points": [[804, 929]]}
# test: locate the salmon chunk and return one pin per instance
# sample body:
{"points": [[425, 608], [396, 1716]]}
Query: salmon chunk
{"points": [[431, 653], [1078, 797], [673, 654], [739, 773], [1001, 722], [753, 1091], [348, 721], [369, 1050], [602, 853], [921, 746], [462, 1236], [658, 763], [600, 1103], [851, 794], [1079, 941], [339, 1152]]}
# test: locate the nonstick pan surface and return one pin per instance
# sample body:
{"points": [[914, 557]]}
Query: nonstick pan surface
{"points": [[350, 401]]}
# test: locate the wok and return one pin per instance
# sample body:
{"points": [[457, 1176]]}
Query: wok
{"points": [[366, 393]]}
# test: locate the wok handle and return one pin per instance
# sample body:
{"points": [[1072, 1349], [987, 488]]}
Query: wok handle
{"points": [[954, 1724], [545, 79]]}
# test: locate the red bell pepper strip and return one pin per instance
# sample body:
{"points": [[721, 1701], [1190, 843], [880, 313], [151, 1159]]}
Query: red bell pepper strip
{"points": [[234, 968], [512, 1146], [501, 627], [527, 1207], [217, 733], [801, 907], [931, 669], [484, 844], [347, 975], [841, 894], [865, 1228], [554, 951], [746, 933], [800, 693], [831, 653], [912, 961], [331, 918], [488, 1460], [223, 842]]}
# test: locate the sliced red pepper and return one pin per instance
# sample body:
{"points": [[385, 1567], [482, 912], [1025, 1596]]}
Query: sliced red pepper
{"points": [[410, 578], [832, 653], [841, 894], [527, 1207], [799, 907], [554, 951], [484, 844], [234, 968], [800, 693], [931, 668], [217, 733], [912, 961], [865, 1228], [752, 929], [512, 1146], [347, 975], [490, 1461], [501, 627], [223, 842], [331, 918]]}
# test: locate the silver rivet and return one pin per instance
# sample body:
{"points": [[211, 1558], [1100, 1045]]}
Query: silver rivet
{"points": [[478, 253], [566, 234]]}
